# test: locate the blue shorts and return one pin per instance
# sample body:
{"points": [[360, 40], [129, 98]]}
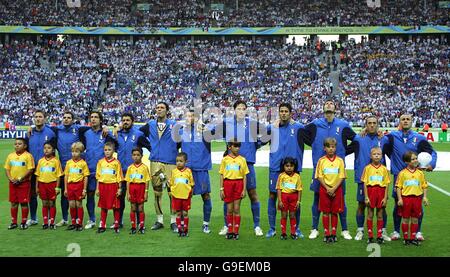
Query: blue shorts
{"points": [[202, 184], [273, 179], [92, 182], [251, 177], [360, 197]]}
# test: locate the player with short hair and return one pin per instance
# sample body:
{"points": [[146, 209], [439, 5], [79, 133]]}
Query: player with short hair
{"points": [[399, 142], [246, 130], [286, 139], [411, 191], [19, 166], [198, 150], [233, 175], [48, 173], [330, 172], [109, 175], [162, 159], [376, 179], [76, 174], [362, 145], [314, 136], [137, 179], [181, 183], [40, 135]]}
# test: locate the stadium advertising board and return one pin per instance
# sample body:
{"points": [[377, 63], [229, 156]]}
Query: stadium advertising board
{"points": [[4, 134]]}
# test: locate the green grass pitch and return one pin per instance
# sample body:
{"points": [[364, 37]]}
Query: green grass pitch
{"points": [[164, 243]]}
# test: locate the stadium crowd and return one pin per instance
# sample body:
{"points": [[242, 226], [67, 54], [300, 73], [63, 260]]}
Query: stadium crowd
{"points": [[136, 76], [249, 13], [397, 75]]}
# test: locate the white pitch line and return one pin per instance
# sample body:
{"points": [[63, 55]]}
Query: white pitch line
{"points": [[439, 189]]}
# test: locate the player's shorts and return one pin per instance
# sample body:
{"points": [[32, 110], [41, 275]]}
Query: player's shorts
{"points": [[273, 179], [75, 191], [108, 196], [360, 197], [329, 204], [232, 190], [137, 193], [20, 193], [181, 204], [412, 207], [156, 168], [251, 177], [202, 183], [47, 191], [376, 195], [289, 201], [92, 183]]}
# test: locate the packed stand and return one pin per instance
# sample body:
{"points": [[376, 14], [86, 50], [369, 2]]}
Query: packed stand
{"points": [[249, 13]]}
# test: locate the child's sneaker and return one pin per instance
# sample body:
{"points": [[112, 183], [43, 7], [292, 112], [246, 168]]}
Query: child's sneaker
{"points": [[132, 231], [236, 236], [44, 226], [406, 242], [334, 238], [79, 228], [370, 240], [52, 227], [380, 240], [23, 226], [230, 236], [325, 239], [415, 242], [101, 230], [71, 227], [12, 226], [142, 230], [117, 230], [294, 236], [283, 237]]}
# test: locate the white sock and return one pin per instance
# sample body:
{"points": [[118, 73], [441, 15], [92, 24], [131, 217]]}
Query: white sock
{"points": [[360, 229], [159, 218], [173, 218], [205, 223]]}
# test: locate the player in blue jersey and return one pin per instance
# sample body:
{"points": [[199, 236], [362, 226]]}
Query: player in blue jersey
{"points": [[128, 138], [39, 136], [361, 146], [162, 159], [245, 130], [285, 141], [314, 135], [94, 141], [399, 142], [198, 149]]}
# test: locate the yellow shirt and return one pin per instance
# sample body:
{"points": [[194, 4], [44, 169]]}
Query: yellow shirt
{"points": [[376, 176], [48, 170], [233, 168], [411, 182], [137, 174], [19, 164], [181, 183], [289, 184], [109, 172], [330, 170], [76, 170]]}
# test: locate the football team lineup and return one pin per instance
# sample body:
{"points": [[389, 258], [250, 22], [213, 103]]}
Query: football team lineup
{"points": [[280, 174]]}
